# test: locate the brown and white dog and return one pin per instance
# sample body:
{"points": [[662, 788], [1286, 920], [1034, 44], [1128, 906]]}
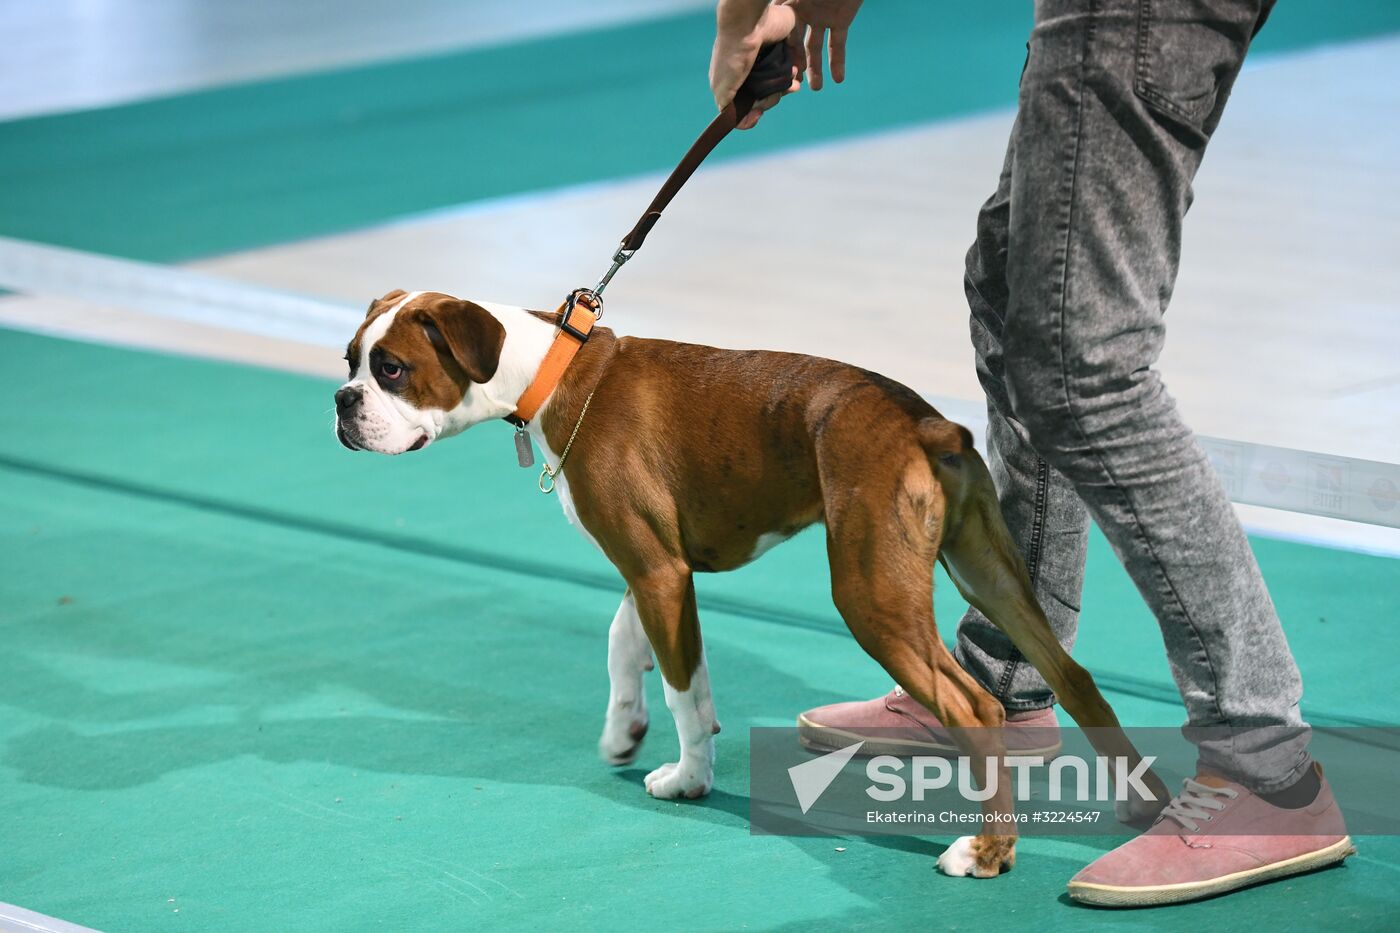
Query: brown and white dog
{"points": [[692, 458]]}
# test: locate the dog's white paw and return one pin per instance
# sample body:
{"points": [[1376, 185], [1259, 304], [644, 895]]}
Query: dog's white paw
{"points": [[622, 738], [978, 856], [958, 859], [679, 779]]}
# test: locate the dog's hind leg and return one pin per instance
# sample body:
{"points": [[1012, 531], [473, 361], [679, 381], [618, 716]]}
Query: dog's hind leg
{"points": [[666, 605], [629, 657], [882, 544], [984, 563]]}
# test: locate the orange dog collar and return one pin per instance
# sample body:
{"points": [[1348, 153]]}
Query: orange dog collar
{"points": [[577, 315]]}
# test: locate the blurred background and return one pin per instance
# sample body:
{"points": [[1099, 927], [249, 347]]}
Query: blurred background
{"points": [[206, 599]]}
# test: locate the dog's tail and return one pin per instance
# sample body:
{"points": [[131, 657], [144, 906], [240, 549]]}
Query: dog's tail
{"points": [[943, 440], [955, 462]]}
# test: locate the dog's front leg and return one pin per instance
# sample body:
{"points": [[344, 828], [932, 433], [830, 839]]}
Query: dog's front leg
{"points": [[629, 657], [694, 712], [666, 604]]}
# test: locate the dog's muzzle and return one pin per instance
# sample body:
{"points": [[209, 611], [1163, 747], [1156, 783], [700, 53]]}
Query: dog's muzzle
{"points": [[347, 402], [347, 399]]}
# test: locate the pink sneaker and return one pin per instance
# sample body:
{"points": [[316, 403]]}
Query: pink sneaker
{"points": [[895, 724], [1209, 840]]}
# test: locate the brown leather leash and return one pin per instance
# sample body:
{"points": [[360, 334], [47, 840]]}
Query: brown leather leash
{"points": [[771, 74]]}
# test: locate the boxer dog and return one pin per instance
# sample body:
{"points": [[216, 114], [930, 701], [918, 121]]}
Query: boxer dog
{"points": [[683, 459]]}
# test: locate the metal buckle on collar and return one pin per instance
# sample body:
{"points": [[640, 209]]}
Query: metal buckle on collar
{"points": [[590, 301]]}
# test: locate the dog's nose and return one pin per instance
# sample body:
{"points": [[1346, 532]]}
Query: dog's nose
{"points": [[346, 398]]}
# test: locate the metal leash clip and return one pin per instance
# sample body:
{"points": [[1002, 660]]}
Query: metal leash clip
{"points": [[621, 256]]}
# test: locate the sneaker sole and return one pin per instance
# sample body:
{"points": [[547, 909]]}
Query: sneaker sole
{"points": [[818, 738], [1112, 895]]}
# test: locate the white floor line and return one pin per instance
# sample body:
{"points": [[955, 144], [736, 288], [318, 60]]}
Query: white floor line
{"points": [[18, 920], [171, 292]]}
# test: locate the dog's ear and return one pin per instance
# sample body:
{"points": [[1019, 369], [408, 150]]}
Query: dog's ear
{"points": [[392, 296], [467, 333]]}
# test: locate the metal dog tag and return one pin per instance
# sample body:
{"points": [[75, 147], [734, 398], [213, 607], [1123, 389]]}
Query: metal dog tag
{"points": [[524, 450]]}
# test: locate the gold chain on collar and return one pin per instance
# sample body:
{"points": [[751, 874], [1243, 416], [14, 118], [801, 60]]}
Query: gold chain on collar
{"points": [[547, 475]]}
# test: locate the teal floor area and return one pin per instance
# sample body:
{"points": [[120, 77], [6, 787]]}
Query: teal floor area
{"points": [[252, 681]]}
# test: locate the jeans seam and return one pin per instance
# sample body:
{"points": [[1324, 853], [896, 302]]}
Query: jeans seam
{"points": [[1041, 505], [1033, 550], [1058, 333], [1143, 74]]}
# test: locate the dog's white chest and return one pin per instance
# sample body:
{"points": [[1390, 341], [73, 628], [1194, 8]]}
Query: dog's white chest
{"points": [[561, 487], [766, 542], [566, 501]]}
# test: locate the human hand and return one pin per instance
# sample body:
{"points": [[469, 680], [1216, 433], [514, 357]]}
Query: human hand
{"points": [[818, 18], [742, 27]]}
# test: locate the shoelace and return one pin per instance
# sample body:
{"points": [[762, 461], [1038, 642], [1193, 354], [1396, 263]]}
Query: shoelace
{"points": [[1197, 802]]}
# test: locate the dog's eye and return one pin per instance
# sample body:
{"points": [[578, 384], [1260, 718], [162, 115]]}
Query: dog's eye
{"points": [[390, 371]]}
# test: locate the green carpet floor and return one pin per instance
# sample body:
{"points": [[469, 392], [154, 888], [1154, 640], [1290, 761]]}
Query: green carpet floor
{"points": [[265, 163], [252, 681]]}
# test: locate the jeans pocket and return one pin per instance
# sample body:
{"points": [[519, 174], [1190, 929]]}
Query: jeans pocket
{"points": [[1188, 52]]}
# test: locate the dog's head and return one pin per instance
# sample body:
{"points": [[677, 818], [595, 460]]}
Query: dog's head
{"points": [[418, 367]]}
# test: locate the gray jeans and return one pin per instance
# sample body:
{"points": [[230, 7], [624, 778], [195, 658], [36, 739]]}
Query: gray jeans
{"points": [[1068, 280]]}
